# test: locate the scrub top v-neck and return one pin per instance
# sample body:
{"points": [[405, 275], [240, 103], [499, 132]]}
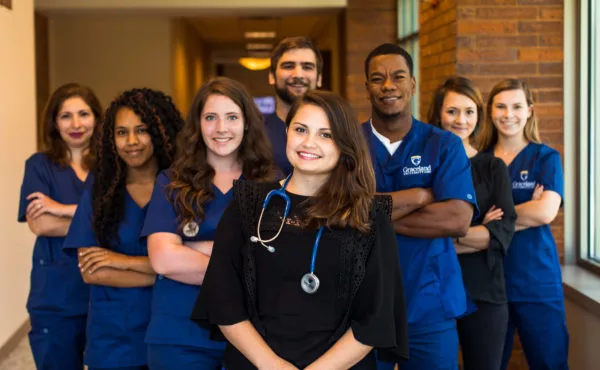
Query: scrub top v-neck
{"points": [[56, 284], [173, 301], [118, 317], [427, 158], [532, 266]]}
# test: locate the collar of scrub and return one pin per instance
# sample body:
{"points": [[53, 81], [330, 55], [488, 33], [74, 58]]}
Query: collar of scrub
{"points": [[391, 147]]}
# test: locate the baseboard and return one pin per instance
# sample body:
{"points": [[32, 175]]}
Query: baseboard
{"points": [[14, 340]]}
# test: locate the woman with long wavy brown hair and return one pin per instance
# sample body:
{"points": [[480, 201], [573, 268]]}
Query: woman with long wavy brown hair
{"points": [[53, 183], [223, 139], [305, 271]]}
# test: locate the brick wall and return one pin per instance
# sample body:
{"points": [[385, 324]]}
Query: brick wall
{"points": [[488, 40], [368, 24], [438, 44]]}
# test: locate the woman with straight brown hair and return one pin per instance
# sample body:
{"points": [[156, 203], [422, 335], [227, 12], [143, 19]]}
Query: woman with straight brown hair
{"points": [[305, 271], [532, 268], [53, 183], [222, 140], [457, 107]]}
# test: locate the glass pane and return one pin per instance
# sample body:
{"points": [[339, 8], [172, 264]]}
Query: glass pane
{"points": [[594, 130], [408, 17], [408, 24]]}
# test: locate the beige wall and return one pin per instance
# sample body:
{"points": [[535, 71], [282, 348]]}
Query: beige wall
{"points": [[584, 331], [189, 55], [140, 53], [257, 82], [330, 38], [17, 142]]}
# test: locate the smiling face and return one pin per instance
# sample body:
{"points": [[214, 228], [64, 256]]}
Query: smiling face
{"points": [[459, 114], [132, 139], [296, 73], [75, 122], [390, 85], [510, 112], [222, 125], [310, 146]]}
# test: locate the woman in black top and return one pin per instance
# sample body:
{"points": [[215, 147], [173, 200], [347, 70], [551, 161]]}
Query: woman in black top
{"points": [[457, 107], [320, 286]]}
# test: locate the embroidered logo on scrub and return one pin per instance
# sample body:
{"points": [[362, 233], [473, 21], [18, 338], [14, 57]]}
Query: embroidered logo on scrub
{"points": [[523, 184], [524, 175], [416, 170]]}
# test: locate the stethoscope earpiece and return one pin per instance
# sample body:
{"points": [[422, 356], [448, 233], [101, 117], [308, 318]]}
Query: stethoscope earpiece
{"points": [[255, 239]]}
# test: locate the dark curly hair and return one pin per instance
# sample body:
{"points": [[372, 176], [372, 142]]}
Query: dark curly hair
{"points": [[54, 146], [192, 175], [163, 120]]}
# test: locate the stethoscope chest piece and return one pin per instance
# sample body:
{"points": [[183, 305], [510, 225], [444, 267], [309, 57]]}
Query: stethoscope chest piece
{"points": [[190, 229], [310, 283]]}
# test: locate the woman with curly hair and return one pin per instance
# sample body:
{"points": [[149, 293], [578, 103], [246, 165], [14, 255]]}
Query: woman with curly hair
{"points": [[137, 140], [223, 139], [53, 183]]}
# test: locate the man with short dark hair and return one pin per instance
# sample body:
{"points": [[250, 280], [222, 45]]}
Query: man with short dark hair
{"points": [[428, 175], [296, 66]]}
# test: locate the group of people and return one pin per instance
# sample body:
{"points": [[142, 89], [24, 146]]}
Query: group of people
{"points": [[299, 240]]}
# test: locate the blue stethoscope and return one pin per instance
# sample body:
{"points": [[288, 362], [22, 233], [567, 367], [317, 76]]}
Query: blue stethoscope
{"points": [[309, 282]]}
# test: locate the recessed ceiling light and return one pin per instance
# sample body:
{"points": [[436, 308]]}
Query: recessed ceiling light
{"points": [[259, 35], [259, 46], [255, 64]]}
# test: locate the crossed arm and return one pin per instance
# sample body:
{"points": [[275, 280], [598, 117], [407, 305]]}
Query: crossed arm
{"points": [[101, 266], [540, 210], [47, 217], [172, 258], [416, 214]]}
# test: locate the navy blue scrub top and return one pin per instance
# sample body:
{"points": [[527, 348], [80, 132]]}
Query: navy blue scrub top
{"points": [[428, 158], [173, 301], [276, 131], [531, 266], [56, 284], [118, 317]]}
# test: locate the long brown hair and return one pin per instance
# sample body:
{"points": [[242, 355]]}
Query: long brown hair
{"points": [[192, 175], [345, 198], [53, 145], [460, 85], [488, 135]]}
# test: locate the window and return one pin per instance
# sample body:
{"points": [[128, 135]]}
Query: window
{"points": [[589, 153], [408, 38], [593, 82]]}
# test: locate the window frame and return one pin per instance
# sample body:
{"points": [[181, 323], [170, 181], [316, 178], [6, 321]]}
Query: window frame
{"points": [[588, 155], [407, 17]]}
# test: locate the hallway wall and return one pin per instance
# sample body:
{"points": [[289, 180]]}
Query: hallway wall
{"points": [[17, 143], [189, 63], [140, 53]]}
